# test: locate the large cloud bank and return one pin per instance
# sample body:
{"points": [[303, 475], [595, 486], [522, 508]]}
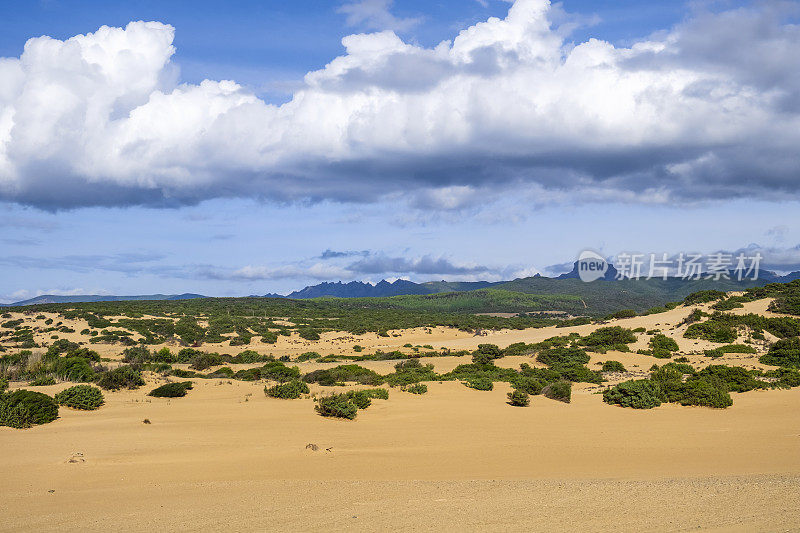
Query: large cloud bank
{"points": [[708, 109]]}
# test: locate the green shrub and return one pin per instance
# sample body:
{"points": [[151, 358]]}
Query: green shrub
{"points": [[137, 355], [84, 397], [518, 398], [205, 360], [123, 377], [3, 385], [553, 356], [24, 409], [613, 366], [711, 330], [277, 371], [662, 346], [411, 371], [377, 394], [337, 406], [479, 383], [416, 388], [359, 397], [736, 379], [702, 392], [308, 356], [343, 373], [289, 391], [608, 338], [701, 297], [248, 374], [785, 352], [171, 390], [309, 334], [637, 394], [75, 369], [224, 372], [528, 385], [560, 390]]}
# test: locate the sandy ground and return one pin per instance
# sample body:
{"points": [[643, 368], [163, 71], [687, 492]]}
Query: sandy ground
{"points": [[228, 457]]}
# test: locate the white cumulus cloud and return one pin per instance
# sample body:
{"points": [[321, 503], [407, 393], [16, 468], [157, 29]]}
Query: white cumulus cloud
{"points": [[708, 109]]}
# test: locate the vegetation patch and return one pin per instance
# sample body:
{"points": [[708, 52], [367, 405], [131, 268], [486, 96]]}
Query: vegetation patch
{"points": [[23, 409], [289, 391], [172, 390], [83, 397]]}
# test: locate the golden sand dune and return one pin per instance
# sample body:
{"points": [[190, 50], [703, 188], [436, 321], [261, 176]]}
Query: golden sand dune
{"points": [[227, 457]]}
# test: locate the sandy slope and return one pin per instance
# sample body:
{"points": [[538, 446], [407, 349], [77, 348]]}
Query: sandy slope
{"points": [[228, 457]]}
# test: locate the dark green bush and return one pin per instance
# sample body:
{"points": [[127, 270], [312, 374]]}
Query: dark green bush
{"points": [[529, 385], [785, 352], [277, 371], [701, 297], [171, 390], [662, 346], [24, 409], [608, 338], [42, 381], [702, 392], [289, 391], [613, 366], [416, 388], [359, 397], [224, 372], [377, 394], [337, 406], [518, 398], [560, 390], [75, 369], [123, 377], [553, 356], [205, 360], [249, 374], [711, 330], [137, 355], [344, 373], [637, 394], [411, 371], [736, 379], [84, 397], [479, 383], [3, 385], [625, 313]]}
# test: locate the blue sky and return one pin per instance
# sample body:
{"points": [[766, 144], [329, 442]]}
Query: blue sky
{"points": [[233, 218]]}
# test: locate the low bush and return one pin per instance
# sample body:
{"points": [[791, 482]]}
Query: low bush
{"points": [[637, 394], [288, 391], [608, 338], [377, 394], [344, 373], [613, 366], [785, 353], [560, 390], [528, 385], [171, 390], [224, 372], [123, 377], [411, 371], [479, 383], [711, 331], [360, 398], [205, 360], [277, 371], [518, 398], [416, 388], [83, 397], [75, 369], [336, 406], [554, 356], [662, 346], [24, 409]]}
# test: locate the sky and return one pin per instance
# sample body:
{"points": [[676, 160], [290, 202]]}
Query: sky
{"points": [[254, 147]]}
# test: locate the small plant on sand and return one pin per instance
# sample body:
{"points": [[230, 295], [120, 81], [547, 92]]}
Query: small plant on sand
{"points": [[287, 391], [336, 406], [84, 397], [24, 409], [560, 390], [662, 346], [613, 366], [123, 377], [360, 398], [377, 394], [479, 383], [518, 398], [638, 394], [171, 390], [416, 388]]}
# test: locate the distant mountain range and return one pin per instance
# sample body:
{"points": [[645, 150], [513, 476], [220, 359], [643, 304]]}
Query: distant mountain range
{"points": [[538, 284], [55, 299]]}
